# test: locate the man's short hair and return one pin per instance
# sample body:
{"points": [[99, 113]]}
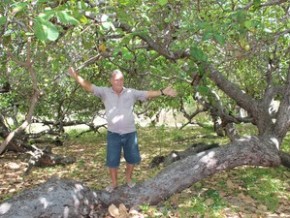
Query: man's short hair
{"points": [[116, 72]]}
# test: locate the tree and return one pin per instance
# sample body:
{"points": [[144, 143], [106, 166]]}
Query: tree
{"points": [[231, 49]]}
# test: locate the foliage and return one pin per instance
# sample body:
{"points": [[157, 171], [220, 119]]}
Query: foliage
{"points": [[234, 36]]}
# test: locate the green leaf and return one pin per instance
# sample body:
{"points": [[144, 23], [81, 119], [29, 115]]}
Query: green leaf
{"points": [[197, 54], [45, 30], [42, 1], [207, 36], [83, 20], [107, 25], [126, 39], [257, 4], [46, 15], [65, 18], [2, 20], [203, 90], [251, 24], [19, 6], [220, 39], [124, 2], [6, 40], [128, 3], [127, 55], [87, 44], [162, 2]]}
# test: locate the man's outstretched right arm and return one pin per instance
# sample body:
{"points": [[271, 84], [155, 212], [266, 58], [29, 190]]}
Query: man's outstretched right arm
{"points": [[84, 83]]}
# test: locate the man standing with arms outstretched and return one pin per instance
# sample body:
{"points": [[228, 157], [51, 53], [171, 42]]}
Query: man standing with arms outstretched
{"points": [[119, 103]]}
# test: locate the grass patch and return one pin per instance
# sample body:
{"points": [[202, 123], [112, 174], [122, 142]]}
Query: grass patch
{"points": [[265, 185]]}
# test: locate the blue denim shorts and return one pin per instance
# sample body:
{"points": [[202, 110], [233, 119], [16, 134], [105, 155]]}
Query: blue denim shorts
{"points": [[116, 142]]}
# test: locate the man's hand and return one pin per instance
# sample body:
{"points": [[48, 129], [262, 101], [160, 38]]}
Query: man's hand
{"points": [[84, 83], [169, 91], [72, 72]]}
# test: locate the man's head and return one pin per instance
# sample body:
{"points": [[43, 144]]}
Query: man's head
{"points": [[117, 81]]}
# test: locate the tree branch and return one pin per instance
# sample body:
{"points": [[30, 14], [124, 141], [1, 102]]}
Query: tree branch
{"points": [[34, 99], [243, 100], [283, 117], [269, 3]]}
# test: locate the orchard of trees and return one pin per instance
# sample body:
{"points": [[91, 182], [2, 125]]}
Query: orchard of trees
{"points": [[223, 57]]}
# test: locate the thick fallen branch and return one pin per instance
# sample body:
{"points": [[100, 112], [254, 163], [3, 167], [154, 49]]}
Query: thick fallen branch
{"points": [[179, 155], [62, 198], [45, 158], [182, 174]]}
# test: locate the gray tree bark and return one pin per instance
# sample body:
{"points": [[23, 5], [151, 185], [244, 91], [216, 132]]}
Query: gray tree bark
{"points": [[55, 198]]}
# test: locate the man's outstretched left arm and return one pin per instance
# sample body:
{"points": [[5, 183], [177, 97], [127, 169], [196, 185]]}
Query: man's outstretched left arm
{"points": [[168, 91]]}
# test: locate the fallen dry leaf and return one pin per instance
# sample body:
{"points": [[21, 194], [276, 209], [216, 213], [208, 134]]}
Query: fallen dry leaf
{"points": [[247, 199], [262, 208], [135, 214], [230, 184], [113, 210], [209, 202], [123, 211]]}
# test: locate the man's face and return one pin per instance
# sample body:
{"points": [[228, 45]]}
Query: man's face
{"points": [[117, 82]]}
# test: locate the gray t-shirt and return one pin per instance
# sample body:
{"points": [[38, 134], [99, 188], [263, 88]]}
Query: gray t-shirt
{"points": [[119, 108]]}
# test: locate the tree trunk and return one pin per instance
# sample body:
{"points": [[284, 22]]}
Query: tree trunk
{"points": [[70, 199], [285, 159], [34, 98], [21, 128], [17, 144]]}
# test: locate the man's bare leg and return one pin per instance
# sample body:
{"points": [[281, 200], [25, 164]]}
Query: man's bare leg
{"points": [[114, 176], [129, 172]]}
